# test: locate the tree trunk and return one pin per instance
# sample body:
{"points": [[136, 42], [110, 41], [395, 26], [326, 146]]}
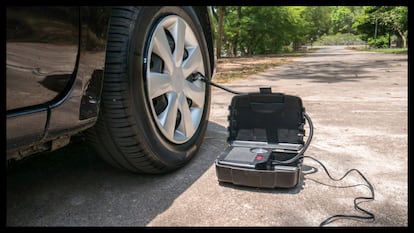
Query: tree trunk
{"points": [[403, 37], [220, 30], [398, 43], [389, 40], [215, 15], [236, 36]]}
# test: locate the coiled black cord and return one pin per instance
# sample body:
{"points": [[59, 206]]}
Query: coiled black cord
{"points": [[368, 215], [305, 146]]}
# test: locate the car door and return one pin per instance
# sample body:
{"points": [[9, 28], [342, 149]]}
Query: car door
{"points": [[41, 54]]}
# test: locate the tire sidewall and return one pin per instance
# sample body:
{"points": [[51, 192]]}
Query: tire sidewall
{"points": [[169, 153]]}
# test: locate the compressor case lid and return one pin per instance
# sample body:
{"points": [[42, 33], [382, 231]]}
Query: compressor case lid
{"points": [[266, 118]]}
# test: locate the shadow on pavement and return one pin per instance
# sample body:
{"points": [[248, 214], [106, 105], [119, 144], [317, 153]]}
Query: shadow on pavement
{"points": [[74, 187], [335, 71]]}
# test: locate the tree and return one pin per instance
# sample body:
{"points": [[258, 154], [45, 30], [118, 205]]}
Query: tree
{"points": [[236, 31], [318, 21], [390, 20], [263, 29], [342, 19], [395, 18], [250, 30], [220, 30]]}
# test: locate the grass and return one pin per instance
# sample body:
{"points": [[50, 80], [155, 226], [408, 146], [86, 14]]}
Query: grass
{"points": [[391, 50], [382, 50]]}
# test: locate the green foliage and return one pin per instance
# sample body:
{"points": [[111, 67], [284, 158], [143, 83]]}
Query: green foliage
{"points": [[385, 19], [380, 42], [287, 49], [318, 21], [260, 29], [254, 30], [342, 19], [250, 30]]}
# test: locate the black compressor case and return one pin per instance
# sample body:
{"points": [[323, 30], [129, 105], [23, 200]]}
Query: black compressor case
{"points": [[266, 132]]}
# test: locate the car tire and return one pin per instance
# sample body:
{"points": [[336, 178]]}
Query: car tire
{"points": [[153, 112]]}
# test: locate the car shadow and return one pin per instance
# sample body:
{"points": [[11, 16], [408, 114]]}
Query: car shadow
{"points": [[74, 187]]}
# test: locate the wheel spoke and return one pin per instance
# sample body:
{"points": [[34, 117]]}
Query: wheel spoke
{"points": [[186, 124], [162, 49], [158, 84], [178, 33], [169, 116], [194, 62], [194, 92]]}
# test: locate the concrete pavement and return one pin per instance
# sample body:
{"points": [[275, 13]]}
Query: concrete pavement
{"points": [[358, 102]]}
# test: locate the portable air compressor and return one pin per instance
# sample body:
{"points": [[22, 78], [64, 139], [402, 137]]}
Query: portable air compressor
{"points": [[265, 140], [266, 144]]}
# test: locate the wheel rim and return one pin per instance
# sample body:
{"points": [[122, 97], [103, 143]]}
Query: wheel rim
{"points": [[176, 99]]}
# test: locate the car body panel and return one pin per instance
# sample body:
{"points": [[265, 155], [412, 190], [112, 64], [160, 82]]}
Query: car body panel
{"points": [[55, 92], [41, 53], [79, 109], [24, 130], [58, 93]]}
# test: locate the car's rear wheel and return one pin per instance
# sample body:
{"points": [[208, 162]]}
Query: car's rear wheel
{"points": [[153, 113]]}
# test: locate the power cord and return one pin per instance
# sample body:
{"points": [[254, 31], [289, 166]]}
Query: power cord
{"points": [[368, 215], [206, 80], [305, 146]]}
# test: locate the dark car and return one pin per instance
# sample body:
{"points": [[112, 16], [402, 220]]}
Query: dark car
{"points": [[124, 77]]}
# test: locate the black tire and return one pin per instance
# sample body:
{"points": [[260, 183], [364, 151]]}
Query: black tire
{"points": [[128, 134]]}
